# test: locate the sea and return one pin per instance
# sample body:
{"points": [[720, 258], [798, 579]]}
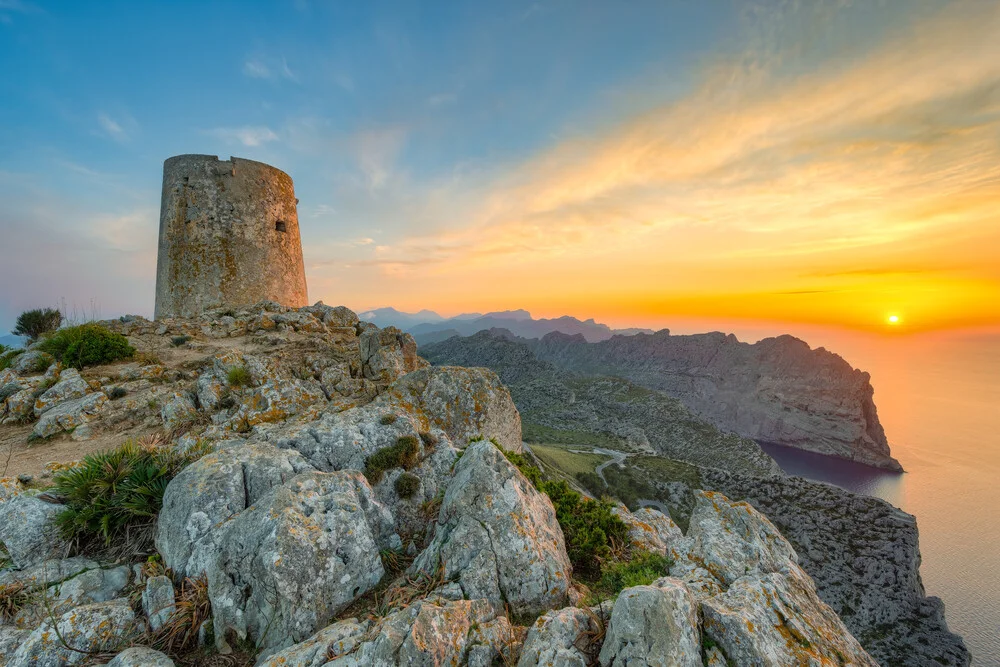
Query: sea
{"points": [[938, 398]]}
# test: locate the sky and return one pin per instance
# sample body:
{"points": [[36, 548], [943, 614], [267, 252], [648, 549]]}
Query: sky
{"points": [[805, 164]]}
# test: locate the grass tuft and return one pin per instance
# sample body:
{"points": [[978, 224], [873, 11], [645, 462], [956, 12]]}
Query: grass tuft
{"points": [[238, 376], [403, 454]]}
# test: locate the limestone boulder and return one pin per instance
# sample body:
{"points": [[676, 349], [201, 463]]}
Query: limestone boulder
{"points": [[332, 641], [87, 587], [212, 490], [560, 638], [650, 529], [32, 362], [10, 383], [28, 530], [653, 625], [69, 386], [288, 564], [10, 638], [19, 406], [48, 572], [211, 390], [498, 537], [158, 601], [69, 415], [178, 409], [431, 632], [140, 656], [777, 619], [388, 354], [464, 403], [101, 627]]}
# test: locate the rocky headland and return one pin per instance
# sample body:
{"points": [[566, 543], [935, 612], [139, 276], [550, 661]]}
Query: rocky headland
{"points": [[777, 390], [327, 498]]}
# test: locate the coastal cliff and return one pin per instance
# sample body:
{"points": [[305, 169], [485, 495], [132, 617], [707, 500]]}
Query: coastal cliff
{"points": [[776, 391]]}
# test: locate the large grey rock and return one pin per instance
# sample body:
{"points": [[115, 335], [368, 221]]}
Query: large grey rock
{"points": [[650, 529], [758, 605], [777, 619], [288, 564], [177, 410], [498, 536], [211, 491], [68, 415], [388, 354], [69, 386], [19, 406], [653, 625], [28, 530], [158, 601], [105, 626], [48, 572], [88, 587], [140, 656], [560, 638], [31, 361], [332, 641]]}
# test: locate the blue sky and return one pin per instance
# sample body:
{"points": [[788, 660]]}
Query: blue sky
{"points": [[427, 141]]}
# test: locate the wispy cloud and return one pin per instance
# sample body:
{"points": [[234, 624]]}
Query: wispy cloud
{"points": [[255, 69], [248, 135], [120, 129], [269, 68]]}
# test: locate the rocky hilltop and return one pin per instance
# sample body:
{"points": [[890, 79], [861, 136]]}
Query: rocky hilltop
{"points": [[777, 390], [325, 498]]}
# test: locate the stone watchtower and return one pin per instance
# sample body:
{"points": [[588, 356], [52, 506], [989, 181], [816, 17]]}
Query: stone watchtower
{"points": [[229, 236]]}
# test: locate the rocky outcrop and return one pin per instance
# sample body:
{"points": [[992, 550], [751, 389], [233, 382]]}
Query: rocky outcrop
{"points": [[758, 605], [777, 390], [69, 415], [863, 555], [139, 656], [561, 638], [498, 536], [286, 565]]}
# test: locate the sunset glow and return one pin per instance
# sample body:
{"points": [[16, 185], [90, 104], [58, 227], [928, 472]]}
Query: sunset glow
{"points": [[725, 165]]}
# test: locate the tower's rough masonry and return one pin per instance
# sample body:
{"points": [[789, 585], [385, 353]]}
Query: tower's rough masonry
{"points": [[229, 236]]}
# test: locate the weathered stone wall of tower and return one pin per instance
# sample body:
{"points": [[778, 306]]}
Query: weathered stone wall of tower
{"points": [[229, 236]]}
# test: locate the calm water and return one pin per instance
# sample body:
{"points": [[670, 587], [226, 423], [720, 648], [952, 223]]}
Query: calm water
{"points": [[939, 401]]}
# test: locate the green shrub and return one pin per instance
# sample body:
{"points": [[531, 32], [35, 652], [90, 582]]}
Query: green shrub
{"points": [[429, 439], [387, 420], [87, 345], [177, 341], [33, 323], [119, 492], [624, 486], [117, 392], [642, 569], [8, 356], [407, 484], [593, 534], [403, 455], [238, 376]]}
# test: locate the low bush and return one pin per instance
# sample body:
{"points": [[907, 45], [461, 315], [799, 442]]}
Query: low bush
{"points": [[117, 392], [34, 323], [177, 341], [429, 439], [87, 345], [594, 535], [642, 569], [403, 455], [118, 493], [407, 484], [8, 356], [387, 420], [14, 596], [238, 376]]}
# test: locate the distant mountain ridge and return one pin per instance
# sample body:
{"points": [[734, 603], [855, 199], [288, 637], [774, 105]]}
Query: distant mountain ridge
{"points": [[426, 326]]}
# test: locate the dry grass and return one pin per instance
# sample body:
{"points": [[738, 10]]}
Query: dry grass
{"points": [[193, 609], [14, 597]]}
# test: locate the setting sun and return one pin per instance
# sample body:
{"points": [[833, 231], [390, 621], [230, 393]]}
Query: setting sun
{"points": [[894, 319]]}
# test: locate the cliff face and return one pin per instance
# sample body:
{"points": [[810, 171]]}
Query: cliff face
{"points": [[775, 391]]}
